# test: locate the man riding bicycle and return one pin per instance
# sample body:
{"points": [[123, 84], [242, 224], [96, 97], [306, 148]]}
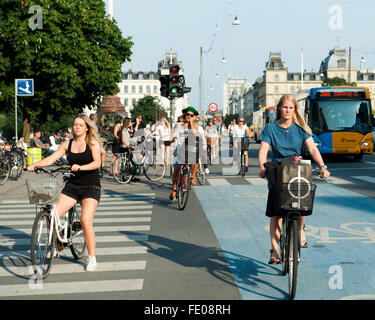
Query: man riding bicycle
{"points": [[186, 135]]}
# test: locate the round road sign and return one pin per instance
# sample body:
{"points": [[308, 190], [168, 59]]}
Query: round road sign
{"points": [[212, 107]]}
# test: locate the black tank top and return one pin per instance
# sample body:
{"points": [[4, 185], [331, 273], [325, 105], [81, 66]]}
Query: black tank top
{"points": [[87, 177]]}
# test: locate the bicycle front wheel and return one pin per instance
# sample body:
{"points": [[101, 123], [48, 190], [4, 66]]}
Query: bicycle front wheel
{"points": [[293, 258], [243, 164], [201, 177], [76, 235], [183, 189], [42, 248], [4, 170], [122, 170]]}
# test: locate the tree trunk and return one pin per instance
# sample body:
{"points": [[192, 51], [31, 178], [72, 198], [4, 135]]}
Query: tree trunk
{"points": [[26, 128]]}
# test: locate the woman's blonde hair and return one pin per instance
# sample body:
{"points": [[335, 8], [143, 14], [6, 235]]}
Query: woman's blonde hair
{"points": [[165, 122], [91, 134], [297, 117], [125, 123]]}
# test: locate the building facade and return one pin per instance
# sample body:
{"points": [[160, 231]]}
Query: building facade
{"points": [[277, 80], [233, 83]]}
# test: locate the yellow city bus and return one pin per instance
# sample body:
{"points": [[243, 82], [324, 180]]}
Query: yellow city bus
{"points": [[340, 119], [260, 118]]}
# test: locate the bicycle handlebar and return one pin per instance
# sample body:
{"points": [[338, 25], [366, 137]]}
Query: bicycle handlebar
{"points": [[49, 171]]}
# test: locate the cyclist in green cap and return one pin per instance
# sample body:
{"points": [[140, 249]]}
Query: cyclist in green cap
{"points": [[189, 130]]}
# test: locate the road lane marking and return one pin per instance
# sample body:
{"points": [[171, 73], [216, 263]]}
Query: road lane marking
{"points": [[365, 178], [257, 181], [72, 287], [218, 182]]}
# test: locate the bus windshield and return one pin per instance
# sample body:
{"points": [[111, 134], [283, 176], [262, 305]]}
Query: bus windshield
{"points": [[341, 115]]}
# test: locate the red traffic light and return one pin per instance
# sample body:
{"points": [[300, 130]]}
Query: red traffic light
{"points": [[174, 69]]}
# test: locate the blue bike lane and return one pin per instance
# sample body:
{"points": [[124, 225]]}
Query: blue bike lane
{"points": [[338, 264]]}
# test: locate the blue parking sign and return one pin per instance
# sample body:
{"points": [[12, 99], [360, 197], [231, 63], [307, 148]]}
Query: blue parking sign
{"points": [[25, 87]]}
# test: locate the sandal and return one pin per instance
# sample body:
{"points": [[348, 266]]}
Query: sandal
{"points": [[172, 196], [274, 258], [304, 244]]}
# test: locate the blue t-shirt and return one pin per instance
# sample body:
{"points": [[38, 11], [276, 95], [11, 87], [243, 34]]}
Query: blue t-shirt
{"points": [[285, 142]]}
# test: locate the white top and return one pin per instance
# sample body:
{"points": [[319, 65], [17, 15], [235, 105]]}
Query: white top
{"points": [[165, 133], [240, 132], [53, 145], [212, 131]]}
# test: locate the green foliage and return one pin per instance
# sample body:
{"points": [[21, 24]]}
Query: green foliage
{"points": [[74, 59], [146, 107], [229, 117], [336, 81]]}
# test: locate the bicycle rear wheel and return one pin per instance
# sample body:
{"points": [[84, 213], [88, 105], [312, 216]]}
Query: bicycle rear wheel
{"points": [[76, 235], [124, 170], [154, 171], [201, 177], [42, 249], [183, 189], [293, 242]]}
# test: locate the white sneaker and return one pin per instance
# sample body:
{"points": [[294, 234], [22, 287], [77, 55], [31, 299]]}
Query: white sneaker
{"points": [[206, 171], [91, 264]]}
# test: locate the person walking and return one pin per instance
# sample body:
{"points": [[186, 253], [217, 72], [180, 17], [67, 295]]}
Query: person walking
{"points": [[286, 135], [83, 155], [116, 139]]}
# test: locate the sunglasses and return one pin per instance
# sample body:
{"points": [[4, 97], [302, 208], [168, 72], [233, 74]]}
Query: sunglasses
{"points": [[240, 121], [190, 114]]}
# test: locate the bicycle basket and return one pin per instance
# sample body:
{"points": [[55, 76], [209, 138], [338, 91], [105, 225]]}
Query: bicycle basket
{"points": [[296, 196], [244, 144], [43, 193]]}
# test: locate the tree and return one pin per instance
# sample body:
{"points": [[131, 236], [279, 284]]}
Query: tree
{"points": [[336, 81], [146, 107], [75, 58]]}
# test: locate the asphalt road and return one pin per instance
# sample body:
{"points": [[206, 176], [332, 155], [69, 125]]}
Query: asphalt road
{"points": [[217, 248]]}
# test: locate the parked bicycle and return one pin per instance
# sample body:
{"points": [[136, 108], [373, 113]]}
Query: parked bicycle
{"points": [[4, 167], [49, 234], [124, 168]]}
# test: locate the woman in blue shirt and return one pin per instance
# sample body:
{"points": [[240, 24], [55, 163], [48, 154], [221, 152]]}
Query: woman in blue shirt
{"points": [[286, 135]]}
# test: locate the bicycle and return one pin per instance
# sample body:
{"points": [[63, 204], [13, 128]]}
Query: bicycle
{"points": [[201, 175], [183, 185], [244, 148], [294, 199], [49, 235], [4, 167], [127, 169]]}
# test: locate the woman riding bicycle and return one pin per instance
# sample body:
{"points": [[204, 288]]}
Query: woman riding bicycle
{"points": [[189, 129], [286, 135], [83, 154], [239, 132]]}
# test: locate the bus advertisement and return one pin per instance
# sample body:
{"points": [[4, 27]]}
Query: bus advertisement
{"points": [[260, 118], [340, 119]]}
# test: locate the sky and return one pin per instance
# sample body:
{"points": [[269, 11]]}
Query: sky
{"points": [[266, 26]]}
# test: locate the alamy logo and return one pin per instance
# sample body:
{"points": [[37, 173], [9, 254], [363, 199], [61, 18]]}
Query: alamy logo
{"points": [[36, 21], [336, 20]]}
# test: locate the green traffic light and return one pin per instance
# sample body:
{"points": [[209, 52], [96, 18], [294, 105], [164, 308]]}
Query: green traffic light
{"points": [[174, 90]]}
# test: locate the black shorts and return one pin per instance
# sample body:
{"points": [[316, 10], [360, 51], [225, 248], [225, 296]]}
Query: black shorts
{"points": [[116, 147], [80, 192]]}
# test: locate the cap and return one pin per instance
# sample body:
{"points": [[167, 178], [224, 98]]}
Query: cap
{"points": [[191, 109]]}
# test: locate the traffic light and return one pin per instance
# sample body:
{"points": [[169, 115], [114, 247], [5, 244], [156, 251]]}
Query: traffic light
{"points": [[164, 86], [176, 82]]}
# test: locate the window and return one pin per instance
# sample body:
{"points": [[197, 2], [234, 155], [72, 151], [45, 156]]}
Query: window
{"points": [[148, 89], [276, 77], [133, 89], [155, 89], [126, 102], [151, 76], [126, 89], [134, 102], [341, 63], [276, 89], [140, 89], [292, 89], [140, 76], [129, 76]]}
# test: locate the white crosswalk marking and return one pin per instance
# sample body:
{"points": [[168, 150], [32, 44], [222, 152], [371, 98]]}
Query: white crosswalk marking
{"points": [[116, 215], [255, 180], [218, 182]]}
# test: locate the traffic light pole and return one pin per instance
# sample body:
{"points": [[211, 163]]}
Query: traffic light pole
{"points": [[201, 86], [173, 110]]}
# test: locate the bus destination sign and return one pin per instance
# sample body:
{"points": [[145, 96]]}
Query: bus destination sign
{"points": [[341, 94]]}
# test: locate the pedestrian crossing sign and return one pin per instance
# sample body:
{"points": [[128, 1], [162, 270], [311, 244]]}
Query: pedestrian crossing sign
{"points": [[24, 87]]}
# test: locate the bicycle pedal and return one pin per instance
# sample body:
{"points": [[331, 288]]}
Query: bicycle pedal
{"points": [[77, 226]]}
